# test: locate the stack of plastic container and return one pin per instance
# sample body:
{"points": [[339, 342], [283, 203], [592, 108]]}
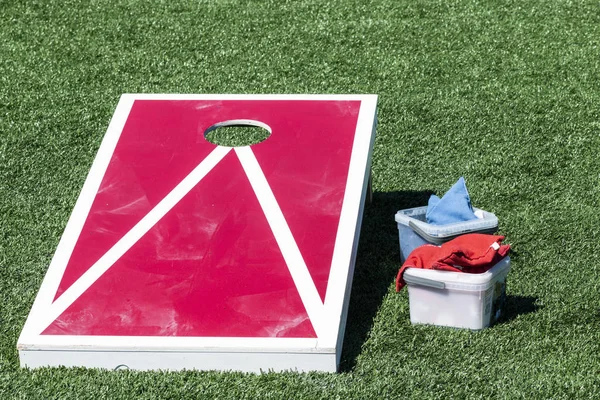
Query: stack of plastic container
{"points": [[461, 300]]}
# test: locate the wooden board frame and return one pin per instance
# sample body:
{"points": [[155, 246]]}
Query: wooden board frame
{"points": [[207, 353]]}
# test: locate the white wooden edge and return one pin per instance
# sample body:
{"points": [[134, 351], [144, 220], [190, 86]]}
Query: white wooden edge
{"points": [[176, 361]]}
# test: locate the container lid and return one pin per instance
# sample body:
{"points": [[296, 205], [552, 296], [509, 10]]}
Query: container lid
{"points": [[456, 280], [438, 234]]}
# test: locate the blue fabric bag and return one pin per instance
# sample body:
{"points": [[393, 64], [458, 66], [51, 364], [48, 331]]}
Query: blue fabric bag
{"points": [[454, 206]]}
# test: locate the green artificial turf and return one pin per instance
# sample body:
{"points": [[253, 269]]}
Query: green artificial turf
{"points": [[236, 135], [504, 92]]}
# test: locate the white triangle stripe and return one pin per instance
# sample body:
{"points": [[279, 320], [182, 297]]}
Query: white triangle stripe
{"points": [[126, 242], [283, 235]]}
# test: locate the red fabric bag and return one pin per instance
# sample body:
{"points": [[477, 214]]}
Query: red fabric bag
{"points": [[470, 253]]}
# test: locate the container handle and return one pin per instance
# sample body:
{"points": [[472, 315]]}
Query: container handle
{"points": [[417, 280]]}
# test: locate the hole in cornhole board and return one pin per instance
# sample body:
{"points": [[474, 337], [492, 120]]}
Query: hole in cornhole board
{"points": [[237, 133]]}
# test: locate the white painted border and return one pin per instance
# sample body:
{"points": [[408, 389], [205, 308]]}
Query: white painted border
{"points": [[348, 234], [338, 289], [310, 97], [76, 221]]}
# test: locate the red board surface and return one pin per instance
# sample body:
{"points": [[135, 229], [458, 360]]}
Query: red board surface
{"points": [[212, 265]]}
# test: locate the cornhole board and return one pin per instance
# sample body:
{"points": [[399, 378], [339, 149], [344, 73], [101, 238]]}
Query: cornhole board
{"points": [[182, 254]]}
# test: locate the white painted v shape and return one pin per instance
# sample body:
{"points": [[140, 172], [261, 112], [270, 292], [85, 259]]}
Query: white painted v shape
{"points": [[285, 240]]}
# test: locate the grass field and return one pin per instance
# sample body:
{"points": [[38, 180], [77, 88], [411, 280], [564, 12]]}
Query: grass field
{"points": [[506, 93]]}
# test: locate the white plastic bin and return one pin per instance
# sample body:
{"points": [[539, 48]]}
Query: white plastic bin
{"points": [[414, 231], [457, 299]]}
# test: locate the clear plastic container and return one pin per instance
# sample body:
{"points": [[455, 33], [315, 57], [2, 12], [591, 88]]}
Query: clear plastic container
{"points": [[457, 299], [414, 231]]}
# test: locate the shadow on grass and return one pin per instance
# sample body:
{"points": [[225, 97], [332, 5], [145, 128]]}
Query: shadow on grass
{"points": [[377, 263], [518, 305]]}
